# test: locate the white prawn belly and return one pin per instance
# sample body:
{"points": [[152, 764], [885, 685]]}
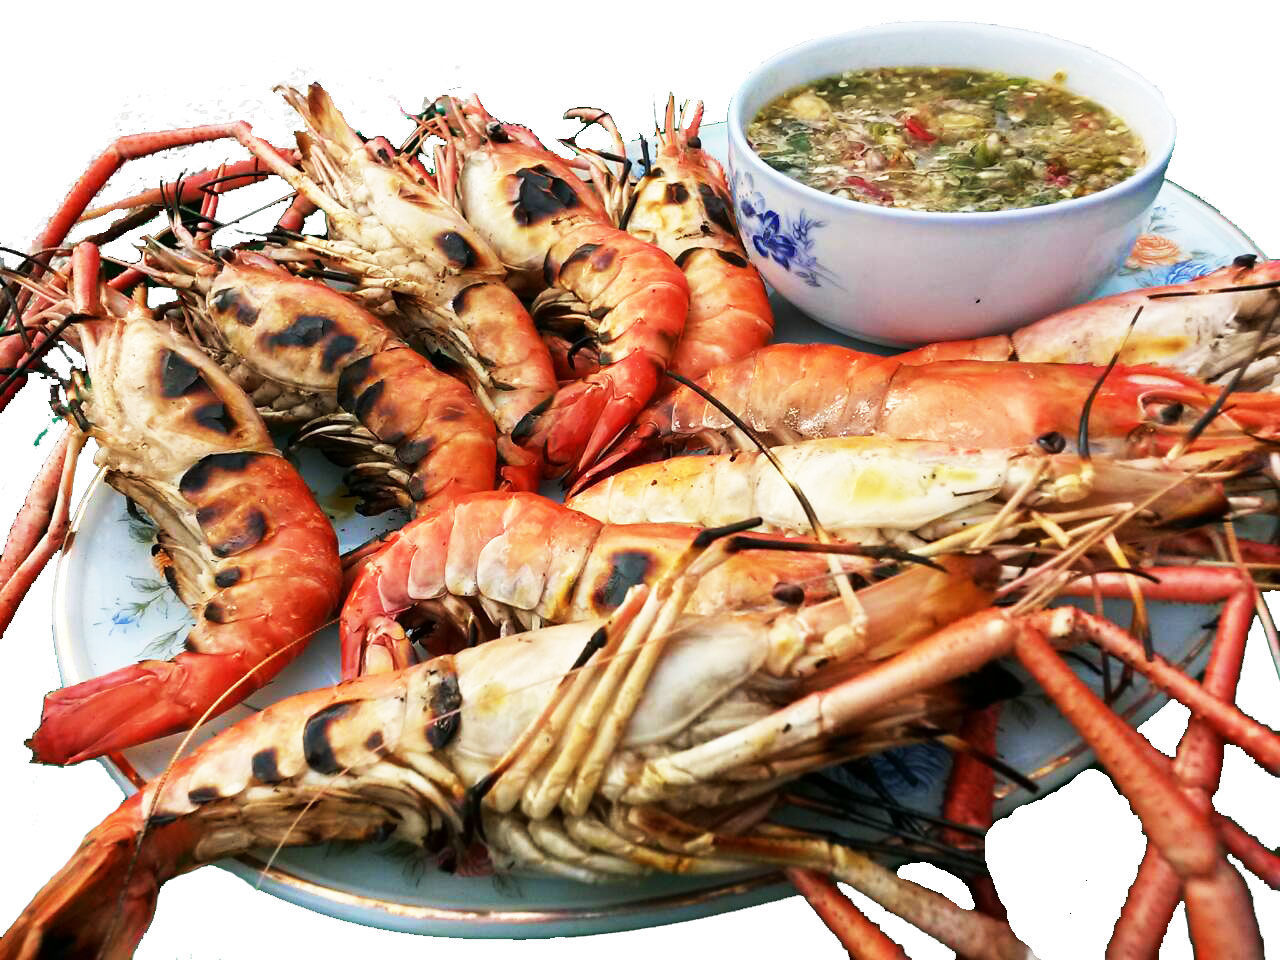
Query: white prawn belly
{"points": [[703, 664], [506, 683], [855, 483]]}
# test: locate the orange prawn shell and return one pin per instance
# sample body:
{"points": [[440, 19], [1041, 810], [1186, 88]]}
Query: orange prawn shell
{"points": [[292, 330], [682, 205], [274, 543], [255, 557], [540, 557]]}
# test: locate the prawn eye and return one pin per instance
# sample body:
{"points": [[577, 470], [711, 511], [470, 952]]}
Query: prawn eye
{"points": [[1052, 442], [1168, 414]]}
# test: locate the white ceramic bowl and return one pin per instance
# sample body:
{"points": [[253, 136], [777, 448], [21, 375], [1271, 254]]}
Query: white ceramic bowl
{"points": [[901, 277]]}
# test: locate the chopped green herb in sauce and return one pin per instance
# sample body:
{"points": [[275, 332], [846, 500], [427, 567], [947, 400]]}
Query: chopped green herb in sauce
{"points": [[944, 139]]}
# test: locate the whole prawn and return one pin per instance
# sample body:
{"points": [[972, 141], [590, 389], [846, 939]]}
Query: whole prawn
{"points": [[924, 496], [682, 205], [601, 750], [241, 539], [789, 392], [310, 353], [553, 233], [530, 561]]}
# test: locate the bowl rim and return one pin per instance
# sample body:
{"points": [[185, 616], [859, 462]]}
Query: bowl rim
{"points": [[1153, 169]]}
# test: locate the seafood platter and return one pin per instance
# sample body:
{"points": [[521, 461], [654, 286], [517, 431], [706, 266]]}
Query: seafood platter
{"points": [[505, 503]]}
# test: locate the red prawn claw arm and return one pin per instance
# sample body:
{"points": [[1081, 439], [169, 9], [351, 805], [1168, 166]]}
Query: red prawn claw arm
{"points": [[1219, 908], [40, 528], [856, 933], [598, 409], [969, 798], [1157, 889], [95, 177], [226, 177]]}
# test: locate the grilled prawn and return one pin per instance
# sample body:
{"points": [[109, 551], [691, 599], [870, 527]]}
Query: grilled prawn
{"points": [[919, 495], [306, 352], [682, 206], [242, 541], [553, 233], [602, 750], [528, 560], [790, 391]]}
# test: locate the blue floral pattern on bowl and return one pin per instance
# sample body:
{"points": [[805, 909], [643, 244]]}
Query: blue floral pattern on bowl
{"points": [[787, 242]]}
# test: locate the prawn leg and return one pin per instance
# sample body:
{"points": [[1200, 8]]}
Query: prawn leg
{"points": [[127, 148], [40, 528]]}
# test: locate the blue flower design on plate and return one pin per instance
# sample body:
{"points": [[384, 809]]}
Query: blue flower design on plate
{"points": [[787, 242], [1180, 272], [1185, 270]]}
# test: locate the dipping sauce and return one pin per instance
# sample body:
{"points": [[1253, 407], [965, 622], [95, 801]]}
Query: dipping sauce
{"points": [[945, 139]]}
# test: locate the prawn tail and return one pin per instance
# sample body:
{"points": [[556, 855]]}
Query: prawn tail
{"points": [[141, 702], [320, 113], [73, 917]]}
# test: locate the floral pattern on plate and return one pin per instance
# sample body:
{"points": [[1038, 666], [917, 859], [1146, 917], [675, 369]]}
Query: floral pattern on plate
{"points": [[1168, 250]]}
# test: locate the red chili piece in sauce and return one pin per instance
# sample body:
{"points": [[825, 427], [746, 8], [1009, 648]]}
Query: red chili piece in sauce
{"points": [[1056, 173], [871, 190], [917, 130]]}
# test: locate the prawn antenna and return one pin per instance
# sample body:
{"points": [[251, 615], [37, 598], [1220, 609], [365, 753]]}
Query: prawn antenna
{"points": [[810, 514], [1210, 291], [1082, 440]]}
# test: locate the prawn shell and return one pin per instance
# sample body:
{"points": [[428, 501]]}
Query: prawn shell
{"points": [[293, 331], [854, 483], [440, 433], [541, 559], [636, 297], [259, 518], [683, 207]]}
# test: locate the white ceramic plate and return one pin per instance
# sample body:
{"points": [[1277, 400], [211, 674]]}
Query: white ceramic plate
{"points": [[110, 608]]}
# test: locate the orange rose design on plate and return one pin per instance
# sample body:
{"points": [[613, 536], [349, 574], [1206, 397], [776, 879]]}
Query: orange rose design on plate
{"points": [[1151, 250]]}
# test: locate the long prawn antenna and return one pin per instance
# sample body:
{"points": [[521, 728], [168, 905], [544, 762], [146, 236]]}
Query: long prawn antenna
{"points": [[1211, 291], [810, 514], [883, 552], [1082, 439]]}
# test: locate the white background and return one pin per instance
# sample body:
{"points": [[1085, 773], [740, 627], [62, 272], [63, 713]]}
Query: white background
{"points": [[74, 77]]}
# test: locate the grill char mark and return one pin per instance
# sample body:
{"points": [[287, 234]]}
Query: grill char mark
{"points": [[317, 748]]}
